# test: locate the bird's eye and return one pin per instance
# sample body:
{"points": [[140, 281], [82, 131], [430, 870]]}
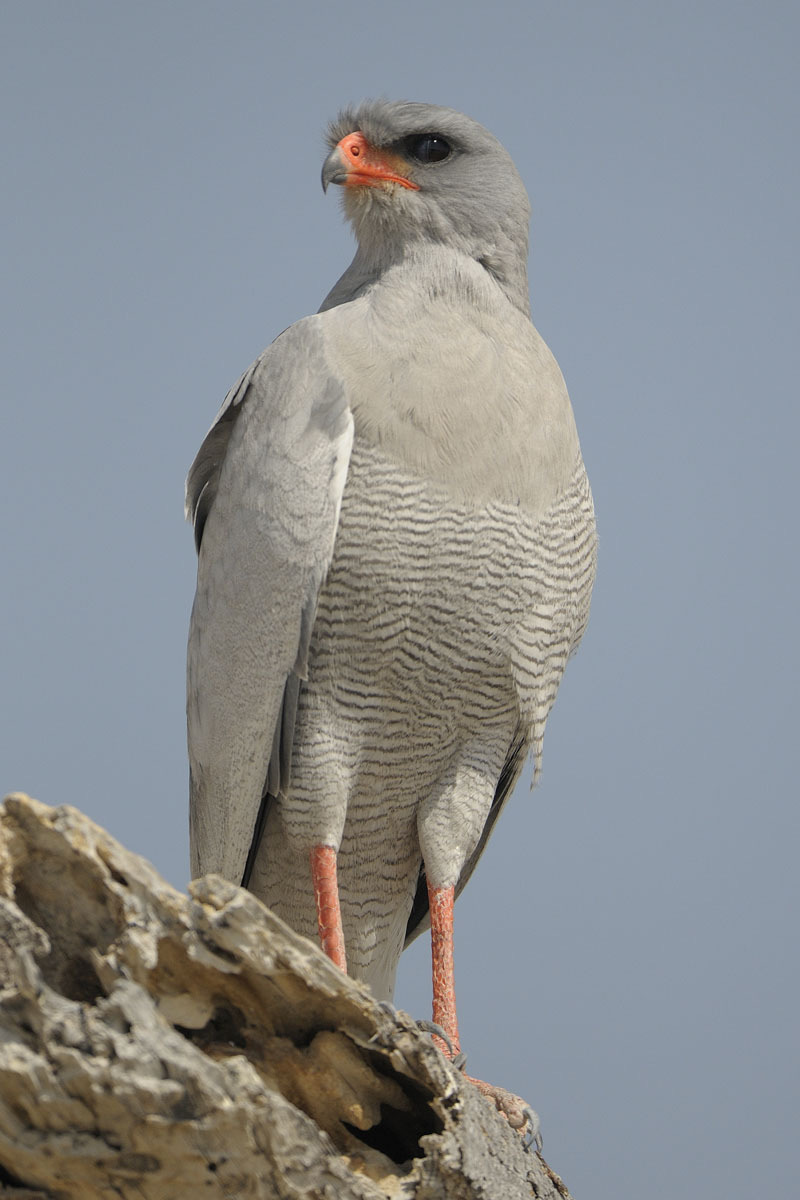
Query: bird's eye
{"points": [[429, 148]]}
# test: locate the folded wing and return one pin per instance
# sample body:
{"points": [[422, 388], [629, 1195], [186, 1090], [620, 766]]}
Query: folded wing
{"points": [[264, 494]]}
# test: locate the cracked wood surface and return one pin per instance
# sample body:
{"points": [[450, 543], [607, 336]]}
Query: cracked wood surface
{"points": [[155, 1045]]}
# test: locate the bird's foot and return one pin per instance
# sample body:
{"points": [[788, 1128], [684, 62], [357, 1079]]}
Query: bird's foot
{"points": [[517, 1112]]}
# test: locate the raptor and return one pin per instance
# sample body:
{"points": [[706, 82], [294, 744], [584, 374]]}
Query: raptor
{"points": [[396, 546]]}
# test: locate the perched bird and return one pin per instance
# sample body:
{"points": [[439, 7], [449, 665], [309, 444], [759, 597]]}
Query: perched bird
{"points": [[396, 547]]}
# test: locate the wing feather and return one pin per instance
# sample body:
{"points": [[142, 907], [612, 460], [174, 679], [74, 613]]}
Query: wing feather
{"points": [[264, 493]]}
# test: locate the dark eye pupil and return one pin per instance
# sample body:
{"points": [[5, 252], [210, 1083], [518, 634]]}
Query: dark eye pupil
{"points": [[430, 148]]}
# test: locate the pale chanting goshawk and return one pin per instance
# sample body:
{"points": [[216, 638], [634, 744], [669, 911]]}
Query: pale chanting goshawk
{"points": [[396, 547]]}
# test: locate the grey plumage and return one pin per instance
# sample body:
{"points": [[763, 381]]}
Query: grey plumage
{"points": [[396, 555]]}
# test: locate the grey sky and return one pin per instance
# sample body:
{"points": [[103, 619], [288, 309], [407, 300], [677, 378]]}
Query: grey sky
{"points": [[626, 953]]}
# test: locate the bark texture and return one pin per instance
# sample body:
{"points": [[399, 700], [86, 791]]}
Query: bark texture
{"points": [[162, 1046]]}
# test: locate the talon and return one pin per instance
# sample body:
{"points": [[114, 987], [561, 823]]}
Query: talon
{"points": [[437, 1031], [532, 1135]]}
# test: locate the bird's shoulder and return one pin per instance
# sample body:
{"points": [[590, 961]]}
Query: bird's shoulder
{"points": [[286, 414]]}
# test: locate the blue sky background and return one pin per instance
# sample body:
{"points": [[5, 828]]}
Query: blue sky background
{"points": [[627, 951]]}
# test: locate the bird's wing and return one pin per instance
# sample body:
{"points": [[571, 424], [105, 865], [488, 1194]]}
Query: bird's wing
{"points": [[264, 493]]}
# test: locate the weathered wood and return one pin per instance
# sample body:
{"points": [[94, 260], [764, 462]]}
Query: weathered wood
{"points": [[159, 1046]]}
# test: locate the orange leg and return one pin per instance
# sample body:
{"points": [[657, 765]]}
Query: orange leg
{"points": [[444, 989], [326, 895], [441, 901]]}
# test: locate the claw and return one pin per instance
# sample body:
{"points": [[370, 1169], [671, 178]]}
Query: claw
{"points": [[533, 1131], [437, 1031], [392, 1012], [459, 1060]]}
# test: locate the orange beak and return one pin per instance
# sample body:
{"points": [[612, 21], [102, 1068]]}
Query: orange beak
{"points": [[355, 163]]}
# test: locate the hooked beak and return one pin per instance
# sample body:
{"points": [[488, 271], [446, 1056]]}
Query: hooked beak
{"points": [[355, 163]]}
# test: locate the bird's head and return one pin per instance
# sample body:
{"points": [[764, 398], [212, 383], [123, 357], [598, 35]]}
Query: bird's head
{"points": [[415, 173]]}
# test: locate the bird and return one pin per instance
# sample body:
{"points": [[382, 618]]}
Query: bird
{"points": [[396, 553]]}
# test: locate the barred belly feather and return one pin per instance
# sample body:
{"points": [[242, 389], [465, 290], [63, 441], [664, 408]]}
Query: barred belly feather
{"points": [[441, 634]]}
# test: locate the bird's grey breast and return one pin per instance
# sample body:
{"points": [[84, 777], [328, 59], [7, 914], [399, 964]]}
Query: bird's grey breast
{"points": [[449, 378], [466, 544]]}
